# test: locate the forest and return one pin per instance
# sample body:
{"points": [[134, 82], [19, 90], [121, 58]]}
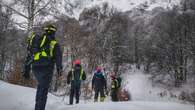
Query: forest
{"points": [[159, 41]]}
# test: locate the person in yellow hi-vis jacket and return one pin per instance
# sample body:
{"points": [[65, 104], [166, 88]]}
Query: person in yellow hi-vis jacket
{"points": [[75, 76], [114, 88], [45, 54]]}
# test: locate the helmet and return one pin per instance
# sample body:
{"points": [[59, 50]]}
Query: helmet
{"points": [[50, 27], [77, 62]]}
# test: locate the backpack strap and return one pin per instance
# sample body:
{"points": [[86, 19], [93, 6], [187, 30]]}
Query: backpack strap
{"points": [[42, 51], [114, 84], [52, 46], [81, 75], [72, 71], [43, 41], [31, 38]]}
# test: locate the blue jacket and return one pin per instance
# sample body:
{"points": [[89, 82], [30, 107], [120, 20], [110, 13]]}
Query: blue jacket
{"points": [[99, 81]]}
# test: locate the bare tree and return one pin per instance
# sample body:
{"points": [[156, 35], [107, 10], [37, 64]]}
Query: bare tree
{"points": [[31, 10]]}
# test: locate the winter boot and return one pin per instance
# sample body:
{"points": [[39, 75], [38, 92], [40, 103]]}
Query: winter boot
{"points": [[102, 99]]}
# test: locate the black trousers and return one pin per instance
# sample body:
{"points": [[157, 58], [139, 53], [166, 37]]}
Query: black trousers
{"points": [[44, 77], [97, 92], [74, 91], [114, 96]]}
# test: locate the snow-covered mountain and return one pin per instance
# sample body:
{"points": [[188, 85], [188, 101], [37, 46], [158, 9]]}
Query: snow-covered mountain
{"points": [[122, 5], [73, 8]]}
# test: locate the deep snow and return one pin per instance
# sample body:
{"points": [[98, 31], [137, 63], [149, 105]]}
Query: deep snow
{"points": [[14, 97], [141, 87]]}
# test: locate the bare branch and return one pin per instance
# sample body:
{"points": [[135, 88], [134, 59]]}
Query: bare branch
{"points": [[37, 4], [15, 11], [43, 7], [68, 3]]}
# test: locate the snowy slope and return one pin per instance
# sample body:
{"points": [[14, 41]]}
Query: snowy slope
{"points": [[140, 86], [13, 97]]}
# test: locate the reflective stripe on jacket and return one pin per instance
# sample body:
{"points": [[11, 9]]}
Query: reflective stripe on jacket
{"points": [[81, 74], [42, 52], [114, 84]]}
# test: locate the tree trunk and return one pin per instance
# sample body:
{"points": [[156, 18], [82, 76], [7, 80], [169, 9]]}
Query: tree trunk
{"points": [[116, 68], [136, 54], [2, 64], [31, 11]]}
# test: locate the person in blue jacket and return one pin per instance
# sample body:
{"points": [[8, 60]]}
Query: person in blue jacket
{"points": [[99, 84]]}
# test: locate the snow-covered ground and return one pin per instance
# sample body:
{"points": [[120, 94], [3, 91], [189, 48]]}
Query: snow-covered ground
{"points": [[140, 86], [14, 97]]}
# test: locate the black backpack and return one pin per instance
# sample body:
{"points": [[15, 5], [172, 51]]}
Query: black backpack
{"points": [[119, 79]]}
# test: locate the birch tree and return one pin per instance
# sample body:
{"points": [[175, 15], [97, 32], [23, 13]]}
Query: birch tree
{"points": [[30, 10]]}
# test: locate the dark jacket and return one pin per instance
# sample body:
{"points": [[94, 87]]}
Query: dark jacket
{"points": [[57, 54], [74, 76], [114, 84], [99, 81]]}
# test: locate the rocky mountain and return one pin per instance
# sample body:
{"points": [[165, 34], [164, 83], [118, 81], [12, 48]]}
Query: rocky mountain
{"points": [[75, 7]]}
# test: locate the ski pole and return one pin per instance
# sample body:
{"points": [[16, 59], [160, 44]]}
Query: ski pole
{"points": [[67, 88], [64, 94]]}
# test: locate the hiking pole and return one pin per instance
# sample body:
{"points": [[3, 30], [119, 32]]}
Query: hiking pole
{"points": [[64, 93], [66, 89]]}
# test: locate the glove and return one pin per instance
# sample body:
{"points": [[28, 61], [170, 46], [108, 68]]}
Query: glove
{"points": [[68, 82], [26, 76], [59, 71], [26, 72]]}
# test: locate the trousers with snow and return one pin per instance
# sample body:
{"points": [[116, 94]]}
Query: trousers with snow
{"points": [[74, 91], [44, 77]]}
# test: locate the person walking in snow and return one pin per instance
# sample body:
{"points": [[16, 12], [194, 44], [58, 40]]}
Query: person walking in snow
{"points": [[45, 53], [75, 76], [99, 84], [114, 88]]}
